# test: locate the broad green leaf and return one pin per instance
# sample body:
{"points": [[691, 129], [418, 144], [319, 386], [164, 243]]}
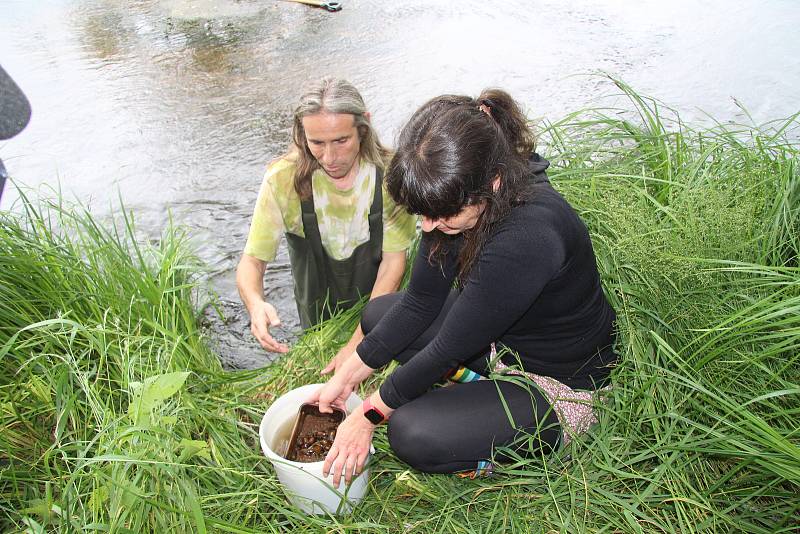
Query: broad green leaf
{"points": [[193, 447], [151, 393]]}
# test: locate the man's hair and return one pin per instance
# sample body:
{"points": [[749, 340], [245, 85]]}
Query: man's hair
{"points": [[332, 95]]}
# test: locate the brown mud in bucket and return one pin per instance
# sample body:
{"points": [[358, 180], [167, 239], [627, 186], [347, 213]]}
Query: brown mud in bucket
{"points": [[313, 434]]}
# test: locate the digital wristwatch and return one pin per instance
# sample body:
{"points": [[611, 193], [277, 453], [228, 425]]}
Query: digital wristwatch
{"points": [[373, 414]]}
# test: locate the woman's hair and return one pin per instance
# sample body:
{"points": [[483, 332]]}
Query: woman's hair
{"points": [[448, 156], [332, 95]]}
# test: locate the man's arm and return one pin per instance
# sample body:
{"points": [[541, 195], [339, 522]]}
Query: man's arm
{"points": [[250, 282], [390, 274]]}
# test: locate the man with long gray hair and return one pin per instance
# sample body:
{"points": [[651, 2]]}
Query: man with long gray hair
{"points": [[346, 236]]}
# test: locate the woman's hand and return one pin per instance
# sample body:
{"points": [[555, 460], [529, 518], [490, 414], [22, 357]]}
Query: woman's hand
{"points": [[346, 379], [334, 393], [350, 448]]}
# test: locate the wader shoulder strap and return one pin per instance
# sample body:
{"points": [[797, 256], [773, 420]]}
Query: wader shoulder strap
{"points": [[311, 228], [376, 216], [377, 196]]}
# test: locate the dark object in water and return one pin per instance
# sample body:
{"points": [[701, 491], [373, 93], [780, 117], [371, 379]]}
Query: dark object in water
{"points": [[15, 112], [324, 4], [313, 433]]}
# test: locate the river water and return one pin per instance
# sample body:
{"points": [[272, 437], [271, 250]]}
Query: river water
{"points": [[176, 105]]}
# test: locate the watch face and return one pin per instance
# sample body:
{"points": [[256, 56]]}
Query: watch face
{"points": [[374, 417]]}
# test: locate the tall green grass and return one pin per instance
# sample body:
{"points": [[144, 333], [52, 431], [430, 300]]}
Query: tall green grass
{"points": [[115, 416]]}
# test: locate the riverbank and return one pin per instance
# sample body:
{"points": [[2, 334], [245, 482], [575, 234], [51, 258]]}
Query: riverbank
{"points": [[116, 416]]}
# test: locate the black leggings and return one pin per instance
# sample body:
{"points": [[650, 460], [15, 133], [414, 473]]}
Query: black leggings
{"points": [[452, 428]]}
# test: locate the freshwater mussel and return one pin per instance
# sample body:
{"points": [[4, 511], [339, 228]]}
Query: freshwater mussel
{"points": [[313, 434]]}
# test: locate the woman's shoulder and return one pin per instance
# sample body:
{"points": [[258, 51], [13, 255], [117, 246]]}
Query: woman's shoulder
{"points": [[545, 218], [544, 204]]}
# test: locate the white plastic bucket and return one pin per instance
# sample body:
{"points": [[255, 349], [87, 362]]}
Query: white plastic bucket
{"points": [[304, 484]]}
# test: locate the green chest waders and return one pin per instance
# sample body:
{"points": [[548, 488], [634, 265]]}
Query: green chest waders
{"points": [[321, 283]]}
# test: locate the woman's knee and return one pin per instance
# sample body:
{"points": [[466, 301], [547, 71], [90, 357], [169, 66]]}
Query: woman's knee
{"points": [[413, 442], [375, 310]]}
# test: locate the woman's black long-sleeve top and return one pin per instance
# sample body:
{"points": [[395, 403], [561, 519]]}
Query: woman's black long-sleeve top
{"points": [[534, 289]]}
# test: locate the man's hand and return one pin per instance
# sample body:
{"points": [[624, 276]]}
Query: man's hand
{"points": [[344, 353], [337, 361], [262, 317], [250, 282]]}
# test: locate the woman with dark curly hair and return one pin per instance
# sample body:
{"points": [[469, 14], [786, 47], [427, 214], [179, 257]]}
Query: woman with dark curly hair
{"points": [[505, 266]]}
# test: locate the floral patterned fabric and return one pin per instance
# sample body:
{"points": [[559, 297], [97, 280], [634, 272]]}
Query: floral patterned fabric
{"points": [[575, 409]]}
